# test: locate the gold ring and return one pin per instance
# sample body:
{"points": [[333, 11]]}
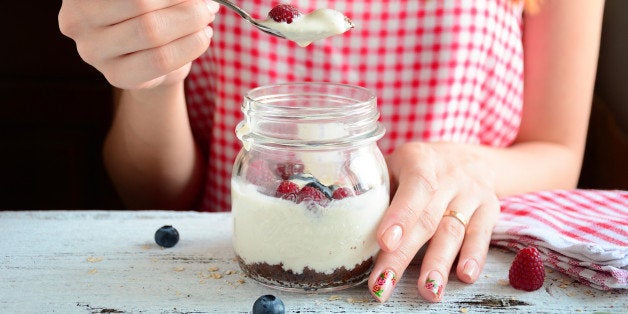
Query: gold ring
{"points": [[460, 217]]}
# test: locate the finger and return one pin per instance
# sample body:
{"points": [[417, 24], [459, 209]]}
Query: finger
{"points": [[415, 189], [156, 28], [389, 266], [142, 66], [78, 17], [476, 242], [110, 12], [392, 263], [443, 249]]}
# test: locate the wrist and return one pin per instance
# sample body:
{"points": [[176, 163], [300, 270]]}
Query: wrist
{"points": [[158, 94]]}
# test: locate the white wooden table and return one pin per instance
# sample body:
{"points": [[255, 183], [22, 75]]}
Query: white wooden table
{"points": [[108, 262]]}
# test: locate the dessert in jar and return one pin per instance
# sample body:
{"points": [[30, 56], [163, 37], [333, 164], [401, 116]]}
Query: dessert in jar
{"points": [[309, 186]]}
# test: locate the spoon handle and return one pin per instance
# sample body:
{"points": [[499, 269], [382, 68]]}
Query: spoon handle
{"points": [[248, 17], [235, 8]]}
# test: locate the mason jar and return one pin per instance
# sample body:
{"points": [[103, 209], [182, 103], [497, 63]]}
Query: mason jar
{"points": [[309, 186]]}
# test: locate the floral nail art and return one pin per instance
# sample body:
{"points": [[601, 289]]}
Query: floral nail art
{"points": [[386, 280], [434, 286]]}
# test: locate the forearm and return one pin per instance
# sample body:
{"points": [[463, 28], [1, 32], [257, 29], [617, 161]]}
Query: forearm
{"points": [[150, 151], [561, 48], [531, 166], [520, 168]]}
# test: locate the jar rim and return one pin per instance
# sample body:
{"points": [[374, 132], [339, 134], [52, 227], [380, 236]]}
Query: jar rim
{"points": [[310, 115], [260, 93]]}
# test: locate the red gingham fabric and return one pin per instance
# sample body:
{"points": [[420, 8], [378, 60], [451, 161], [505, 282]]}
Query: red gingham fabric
{"points": [[581, 233], [442, 71]]}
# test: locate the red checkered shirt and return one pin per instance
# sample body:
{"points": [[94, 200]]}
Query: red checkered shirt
{"points": [[442, 71]]}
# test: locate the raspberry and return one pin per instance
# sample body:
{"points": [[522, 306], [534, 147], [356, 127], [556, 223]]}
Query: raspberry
{"points": [[342, 192], [527, 271], [312, 194], [284, 13], [321, 187], [288, 169], [259, 174], [287, 190]]}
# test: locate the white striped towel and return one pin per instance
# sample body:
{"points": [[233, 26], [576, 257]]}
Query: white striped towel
{"points": [[581, 233]]}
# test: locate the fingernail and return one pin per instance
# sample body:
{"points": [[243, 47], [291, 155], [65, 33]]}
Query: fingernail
{"points": [[392, 237], [211, 5], [434, 283], [471, 269], [384, 285], [209, 32]]}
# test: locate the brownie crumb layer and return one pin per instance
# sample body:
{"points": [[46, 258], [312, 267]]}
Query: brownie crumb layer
{"points": [[309, 280]]}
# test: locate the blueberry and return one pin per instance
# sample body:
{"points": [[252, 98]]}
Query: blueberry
{"points": [[302, 178], [268, 304], [167, 236]]}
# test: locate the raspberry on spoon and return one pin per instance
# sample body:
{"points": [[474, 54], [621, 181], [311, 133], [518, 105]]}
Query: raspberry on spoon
{"points": [[284, 13]]}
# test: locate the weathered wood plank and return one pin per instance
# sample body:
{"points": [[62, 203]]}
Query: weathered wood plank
{"points": [[93, 261]]}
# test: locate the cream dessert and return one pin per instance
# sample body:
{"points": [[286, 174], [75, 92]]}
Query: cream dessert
{"points": [[323, 240], [306, 28], [309, 187]]}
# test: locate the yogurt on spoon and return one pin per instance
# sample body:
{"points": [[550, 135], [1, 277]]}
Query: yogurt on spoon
{"points": [[306, 28]]}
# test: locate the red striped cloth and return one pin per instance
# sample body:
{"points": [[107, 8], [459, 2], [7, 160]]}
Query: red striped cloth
{"points": [[581, 233]]}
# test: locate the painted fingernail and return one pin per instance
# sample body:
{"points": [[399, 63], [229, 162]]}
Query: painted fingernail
{"points": [[434, 283], [471, 269], [384, 285], [392, 237]]}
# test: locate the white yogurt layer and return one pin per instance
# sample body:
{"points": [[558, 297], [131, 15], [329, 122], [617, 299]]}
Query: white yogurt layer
{"points": [[316, 25], [276, 231]]}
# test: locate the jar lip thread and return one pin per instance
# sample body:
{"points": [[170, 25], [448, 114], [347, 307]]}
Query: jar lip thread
{"points": [[260, 92], [316, 144], [310, 115]]}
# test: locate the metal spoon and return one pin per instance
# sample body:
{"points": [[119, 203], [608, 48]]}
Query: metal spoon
{"points": [[248, 17]]}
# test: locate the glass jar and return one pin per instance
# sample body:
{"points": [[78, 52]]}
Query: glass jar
{"points": [[309, 186]]}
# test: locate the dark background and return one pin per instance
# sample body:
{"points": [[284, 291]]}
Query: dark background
{"points": [[55, 111]]}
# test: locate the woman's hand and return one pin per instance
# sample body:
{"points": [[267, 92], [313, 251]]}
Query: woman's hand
{"points": [[442, 194], [139, 43]]}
